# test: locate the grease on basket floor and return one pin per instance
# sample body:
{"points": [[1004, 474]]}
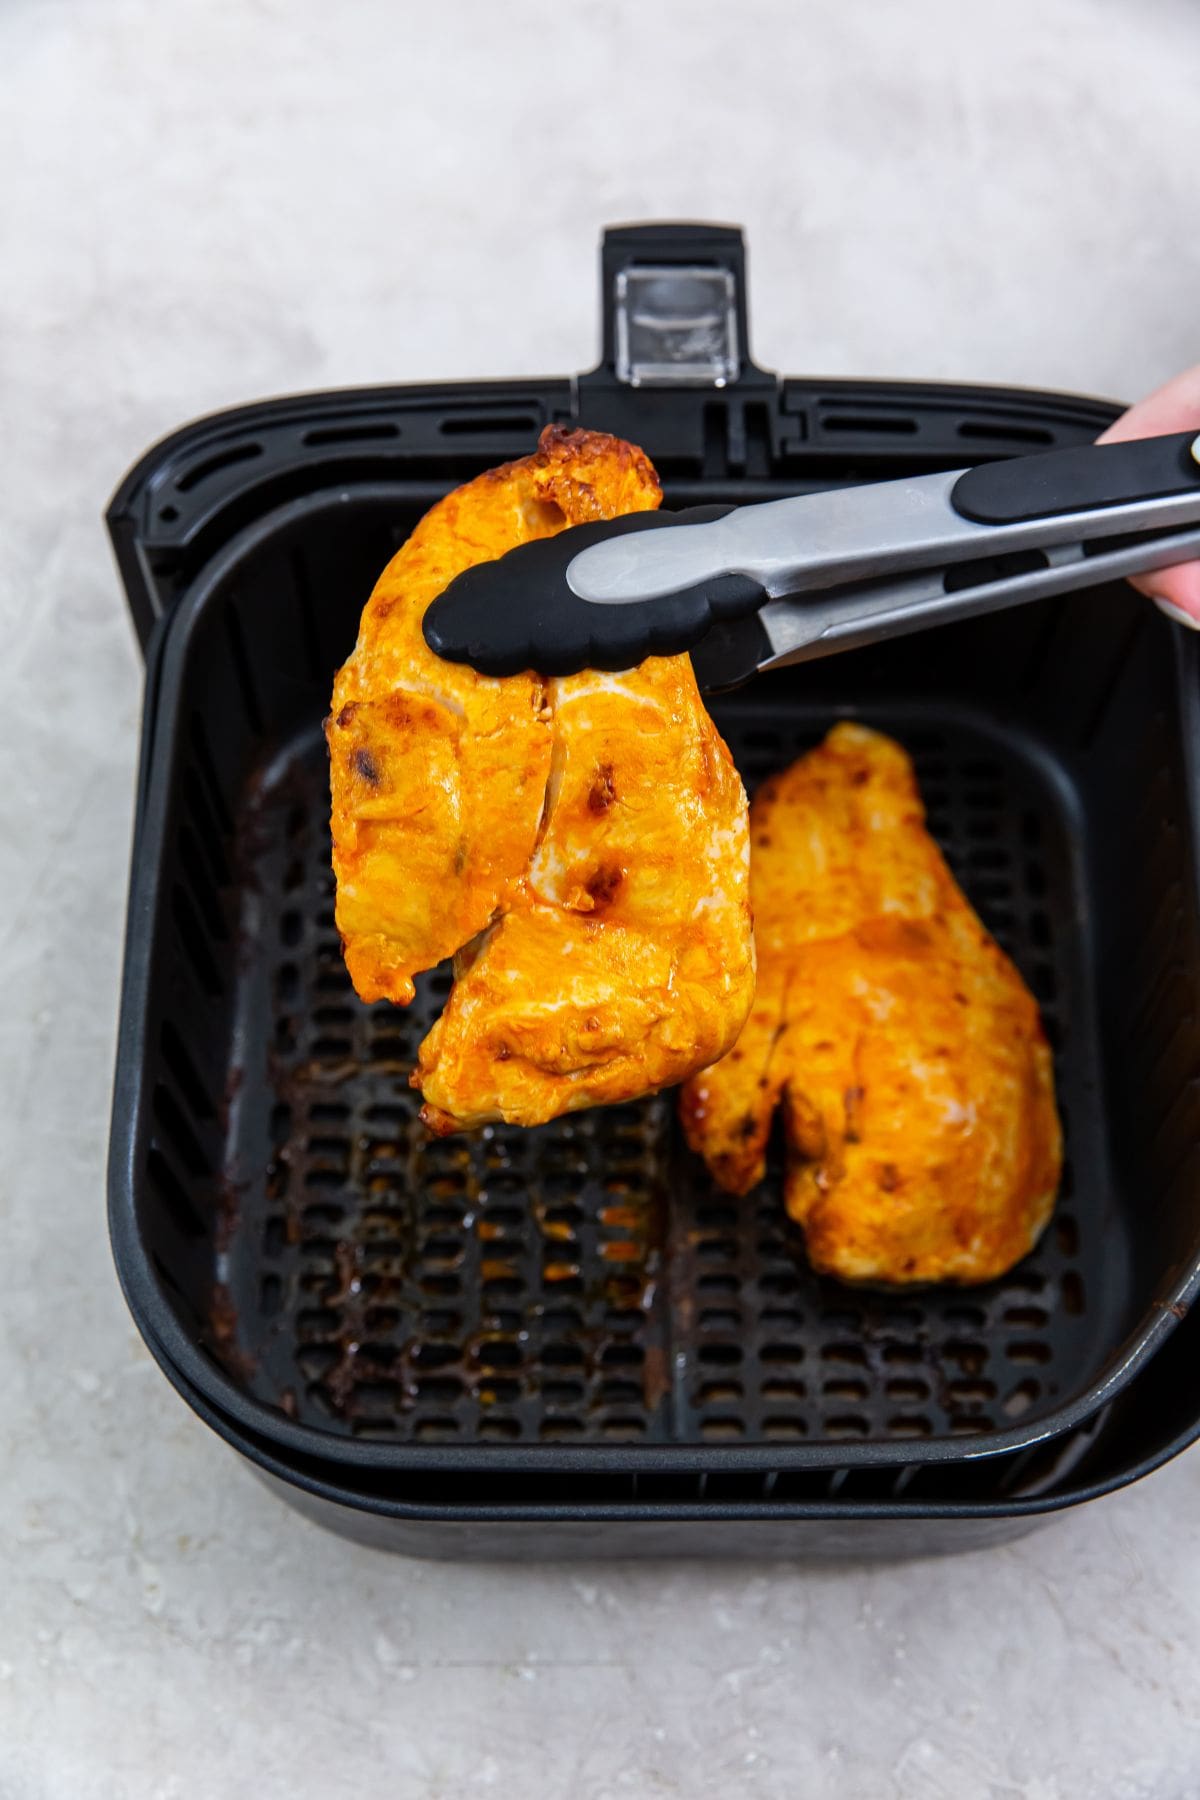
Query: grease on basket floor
{"points": [[586, 1281]]}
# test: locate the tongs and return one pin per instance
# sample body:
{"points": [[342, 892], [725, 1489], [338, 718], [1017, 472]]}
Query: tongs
{"points": [[751, 588]]}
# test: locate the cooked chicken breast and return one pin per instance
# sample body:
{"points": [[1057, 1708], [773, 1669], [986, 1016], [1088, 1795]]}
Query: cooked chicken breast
{"points": [[579, 845], [916, 1083]]}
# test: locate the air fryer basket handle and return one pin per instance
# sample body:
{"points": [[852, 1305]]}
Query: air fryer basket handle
{"points": [[681, 245]]}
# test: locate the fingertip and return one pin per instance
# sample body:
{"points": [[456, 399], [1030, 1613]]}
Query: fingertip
{"points": [[1177, 615], [1174, 407], [1176, 591]]}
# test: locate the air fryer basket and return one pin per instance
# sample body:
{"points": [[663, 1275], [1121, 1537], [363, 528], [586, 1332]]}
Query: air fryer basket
{"points": [[317, 1273]]}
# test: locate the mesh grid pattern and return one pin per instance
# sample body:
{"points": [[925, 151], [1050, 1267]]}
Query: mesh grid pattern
{"points": [[585, 1281]]}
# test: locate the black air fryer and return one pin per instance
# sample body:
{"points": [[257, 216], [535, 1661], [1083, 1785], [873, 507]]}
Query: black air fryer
{"points": [[566, 1341]]}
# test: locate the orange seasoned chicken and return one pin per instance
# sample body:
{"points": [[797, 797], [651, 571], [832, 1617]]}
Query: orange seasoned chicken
{"points": [[579, 845], [922, 1139]]}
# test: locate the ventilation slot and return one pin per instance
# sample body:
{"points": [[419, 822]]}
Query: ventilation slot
{"points": [[195, 941], [715, 427], [987, 431], [318, 665], [351, 434], [242, 668], [170, 1116], [200, 883], [893, 424], [174, 1196], [488, 425], [208, 771], [758, 440], [206, 827], [185, 1074], [212, 465]]}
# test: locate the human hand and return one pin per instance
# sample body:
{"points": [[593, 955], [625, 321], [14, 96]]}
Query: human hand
{"points": [[1175, 407]]}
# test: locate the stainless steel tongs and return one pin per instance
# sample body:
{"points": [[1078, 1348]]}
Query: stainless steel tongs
{"points": [[751, 588]]}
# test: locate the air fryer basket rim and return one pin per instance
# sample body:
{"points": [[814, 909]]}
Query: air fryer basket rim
{"points": [[156, 1318], [335, 1484]]}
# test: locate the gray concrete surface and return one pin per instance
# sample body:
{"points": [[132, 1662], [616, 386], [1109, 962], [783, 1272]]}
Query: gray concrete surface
{"points": [[215, 199]]}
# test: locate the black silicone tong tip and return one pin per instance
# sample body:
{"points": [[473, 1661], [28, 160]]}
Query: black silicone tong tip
{"points": [[730, 654], [519, 612]]}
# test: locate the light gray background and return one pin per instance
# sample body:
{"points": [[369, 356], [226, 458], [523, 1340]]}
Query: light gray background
{"points": [[207, 200]]}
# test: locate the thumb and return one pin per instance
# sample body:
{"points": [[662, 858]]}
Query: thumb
{"points": [[1175, 407]]}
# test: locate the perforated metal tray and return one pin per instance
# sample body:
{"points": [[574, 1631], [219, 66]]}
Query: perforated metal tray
{"points": [[585, 1280]]}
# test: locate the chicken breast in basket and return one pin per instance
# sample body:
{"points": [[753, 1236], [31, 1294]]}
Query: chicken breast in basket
{"points": [[923, 1143], [580, 846]]}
